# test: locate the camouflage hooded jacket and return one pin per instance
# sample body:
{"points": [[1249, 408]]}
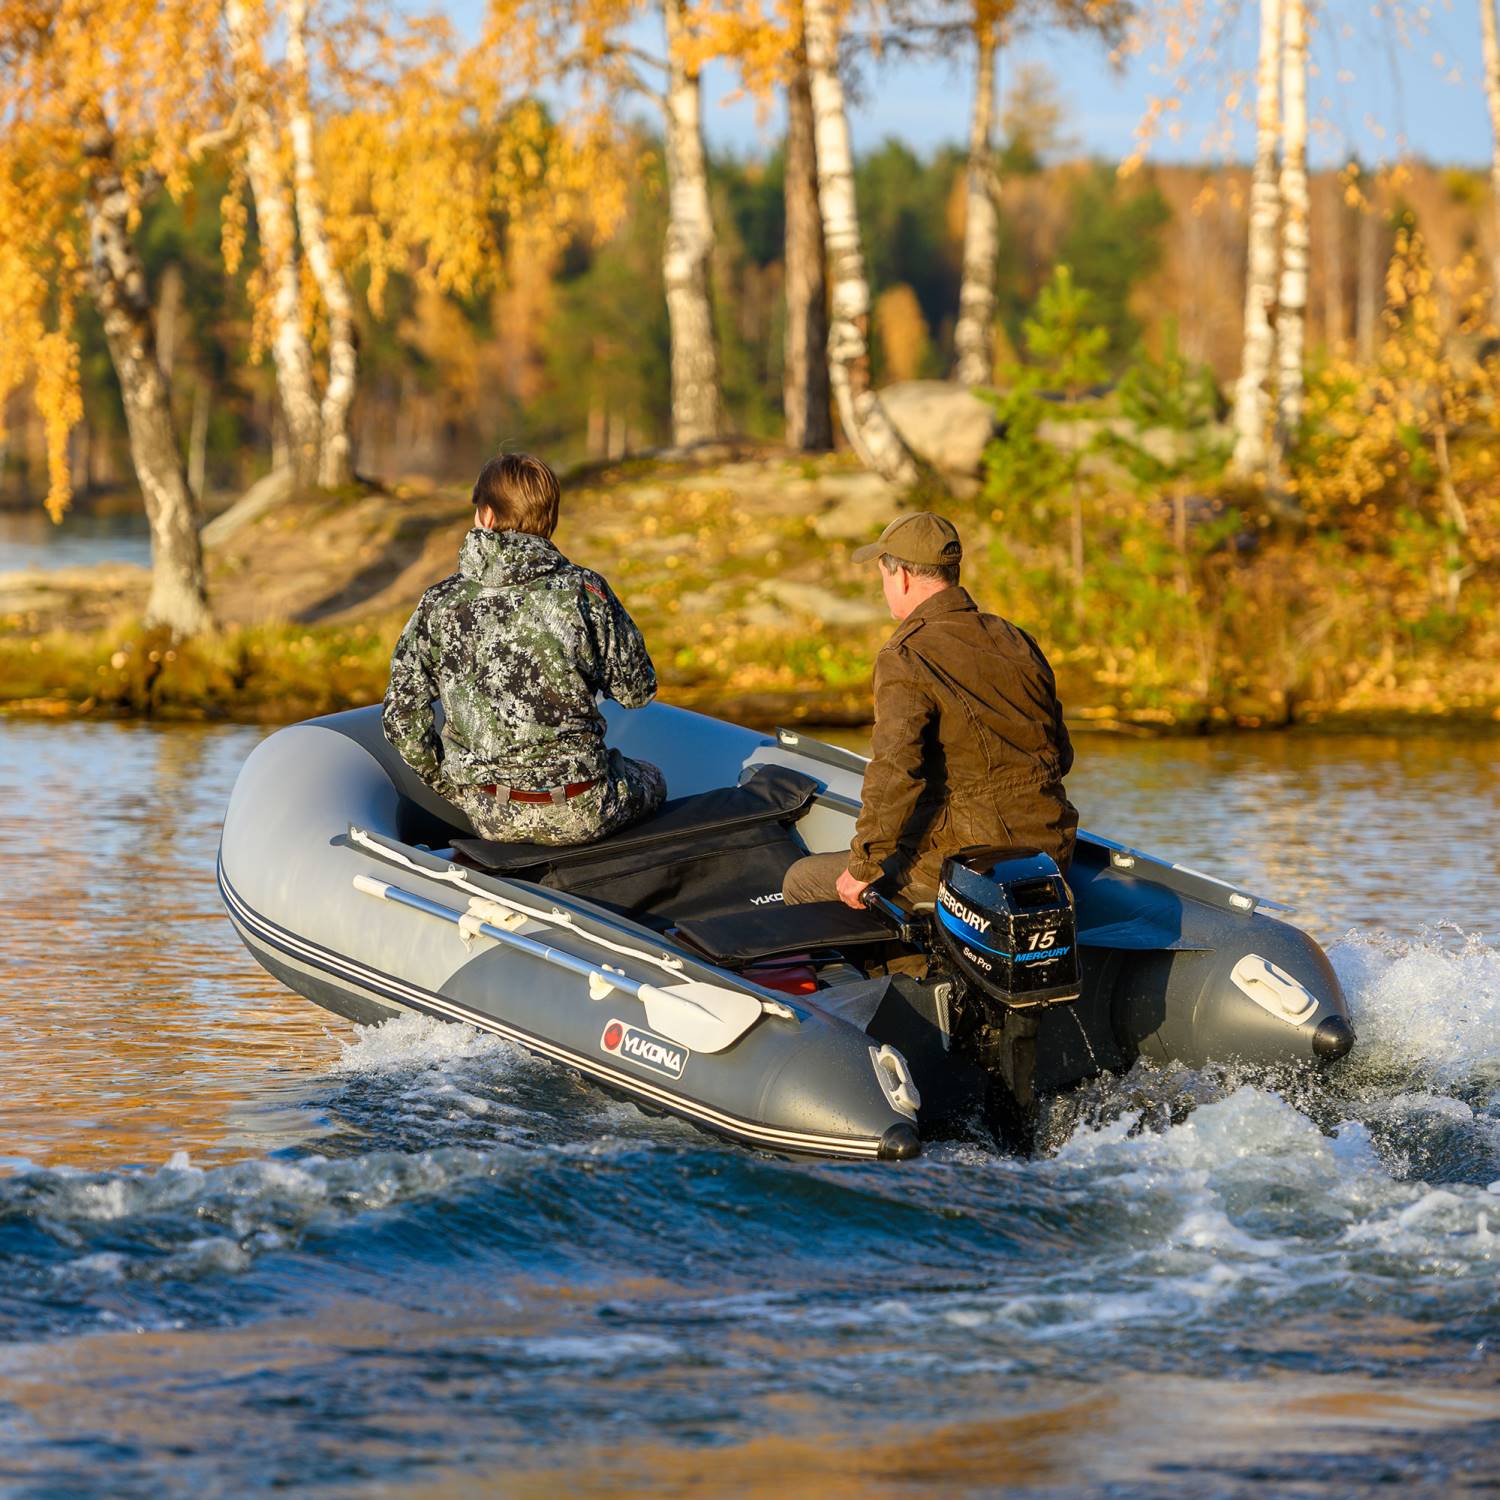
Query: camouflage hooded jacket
{"points": [[516, 645]]}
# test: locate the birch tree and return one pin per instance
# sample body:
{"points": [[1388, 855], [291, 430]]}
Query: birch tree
{"points": [[179, 598], [593, 42], [866, 425], [1251, 456], [766, 47], [1291, 311], [805, 393], [335, 451], [974, 335], [98, 109], [688, 251], [985, 26], [290, 349], [1489, 24]]}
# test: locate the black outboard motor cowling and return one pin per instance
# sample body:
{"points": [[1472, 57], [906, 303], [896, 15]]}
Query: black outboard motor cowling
{"points": [[1005, 918]]}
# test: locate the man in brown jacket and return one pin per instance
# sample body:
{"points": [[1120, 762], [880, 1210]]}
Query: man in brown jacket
{"points": [[969, 746]]}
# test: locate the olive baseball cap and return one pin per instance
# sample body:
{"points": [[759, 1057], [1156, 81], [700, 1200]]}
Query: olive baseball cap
{"points": [[925, 539]]}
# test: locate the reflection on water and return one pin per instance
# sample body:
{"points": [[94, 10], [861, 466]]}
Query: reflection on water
{"points": [[134, 1022], [246, 1248], [30, 541], [1146, 1435]]}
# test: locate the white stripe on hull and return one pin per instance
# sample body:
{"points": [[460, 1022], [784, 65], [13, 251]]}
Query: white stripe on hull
{"points": [[386, 989]]}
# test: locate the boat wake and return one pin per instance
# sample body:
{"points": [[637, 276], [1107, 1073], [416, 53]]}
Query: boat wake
{"points": [[1428, 1007], [1187, 1217]]}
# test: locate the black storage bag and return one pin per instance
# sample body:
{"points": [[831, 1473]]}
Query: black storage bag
{"points": [[741, 937], [706, 875]]}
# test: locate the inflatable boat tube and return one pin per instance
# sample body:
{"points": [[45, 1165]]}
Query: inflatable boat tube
{"points": [[647, 963]]}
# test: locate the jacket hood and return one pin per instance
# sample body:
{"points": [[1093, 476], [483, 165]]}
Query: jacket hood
{"points": [[504, 559]]}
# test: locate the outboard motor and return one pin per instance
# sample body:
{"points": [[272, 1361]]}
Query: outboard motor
{"points": [[1005, 918]]}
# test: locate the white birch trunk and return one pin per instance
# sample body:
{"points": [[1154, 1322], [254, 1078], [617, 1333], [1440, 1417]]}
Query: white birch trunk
{"points": [[1296, 220], [866, 425], [278, 247], [1251, 457], [688, 252], [1490, 26], [336, 453], [178, 599], [809, 422], [974, 336]]}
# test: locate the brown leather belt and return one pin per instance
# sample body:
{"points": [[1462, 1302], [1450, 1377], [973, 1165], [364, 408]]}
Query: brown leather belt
{"points": [[551, 794]]}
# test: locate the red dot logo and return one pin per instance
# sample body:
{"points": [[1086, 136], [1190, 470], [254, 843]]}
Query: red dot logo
{"points": [[614, 1033]]}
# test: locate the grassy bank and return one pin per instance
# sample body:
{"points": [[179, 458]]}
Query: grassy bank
{"points": [[1187, 617], [265, 674]]}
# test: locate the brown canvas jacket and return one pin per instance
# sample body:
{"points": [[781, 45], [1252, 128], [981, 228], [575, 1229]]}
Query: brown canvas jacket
{"points": [[969, 747]]}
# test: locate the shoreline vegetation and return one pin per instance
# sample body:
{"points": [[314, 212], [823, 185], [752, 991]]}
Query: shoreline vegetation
{"points": [[1227, 482], [1196, 614]]}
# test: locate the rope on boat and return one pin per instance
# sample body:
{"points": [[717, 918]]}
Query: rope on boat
{"points": [[485, 906], [693, 1013]]}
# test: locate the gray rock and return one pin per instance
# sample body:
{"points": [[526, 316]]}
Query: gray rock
{"points": [[763, 616], [49, 591], [1165, 444], [857, 506], [707, 601], [822, 604], [1072, 436], [646, 496], [944, 424]]}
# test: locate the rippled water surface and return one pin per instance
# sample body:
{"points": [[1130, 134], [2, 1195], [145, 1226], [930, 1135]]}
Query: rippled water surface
{"points": [[246, 1247]]}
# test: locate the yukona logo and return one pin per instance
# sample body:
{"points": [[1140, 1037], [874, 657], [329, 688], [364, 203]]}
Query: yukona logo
{"points": [[644, 1047]]}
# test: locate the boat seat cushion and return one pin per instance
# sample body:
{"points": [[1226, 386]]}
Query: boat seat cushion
{"points": [[721, 851], [738, 938]]}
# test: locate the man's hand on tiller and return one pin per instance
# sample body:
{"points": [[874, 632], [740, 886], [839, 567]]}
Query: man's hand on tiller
{"points": [[852, 891]]}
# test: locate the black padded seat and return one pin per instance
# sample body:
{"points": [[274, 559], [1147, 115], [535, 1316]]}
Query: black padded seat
{"points": [[741, 937], [774, 794], [721, 851]]}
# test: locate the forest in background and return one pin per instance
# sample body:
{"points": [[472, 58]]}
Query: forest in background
{"points": [[571, 354], [1237, 428]]}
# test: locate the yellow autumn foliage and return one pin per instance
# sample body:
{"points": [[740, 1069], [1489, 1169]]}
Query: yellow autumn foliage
{"points": [[85, 89], [433, 162], [1408, 444]]}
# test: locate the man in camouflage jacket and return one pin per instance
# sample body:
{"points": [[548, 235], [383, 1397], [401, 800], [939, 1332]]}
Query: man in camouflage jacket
{"points": [[516, 645]]}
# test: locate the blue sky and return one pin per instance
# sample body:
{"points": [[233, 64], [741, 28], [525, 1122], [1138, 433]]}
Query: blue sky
{"points": [[1381, 89], [1372, 93]]}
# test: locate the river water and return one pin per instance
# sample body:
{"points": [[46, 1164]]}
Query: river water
{"points": [[246, 1247], [30, 542]]}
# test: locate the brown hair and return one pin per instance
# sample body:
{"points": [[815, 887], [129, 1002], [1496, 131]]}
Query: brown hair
{"points": [[947, 572], [522, 492]]}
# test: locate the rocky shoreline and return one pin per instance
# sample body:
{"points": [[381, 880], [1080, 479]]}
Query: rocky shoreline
{"points": [[737, 568]]}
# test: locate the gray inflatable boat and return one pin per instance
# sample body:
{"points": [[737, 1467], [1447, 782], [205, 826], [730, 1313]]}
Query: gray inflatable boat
{"points": [[661, 964]]}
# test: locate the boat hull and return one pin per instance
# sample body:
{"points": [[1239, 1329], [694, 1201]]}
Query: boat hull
{"points": [[797, 1081], [806, 1077]]}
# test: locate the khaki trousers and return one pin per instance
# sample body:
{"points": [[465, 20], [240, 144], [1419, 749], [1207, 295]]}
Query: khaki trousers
{"points": [[815, 878]]}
